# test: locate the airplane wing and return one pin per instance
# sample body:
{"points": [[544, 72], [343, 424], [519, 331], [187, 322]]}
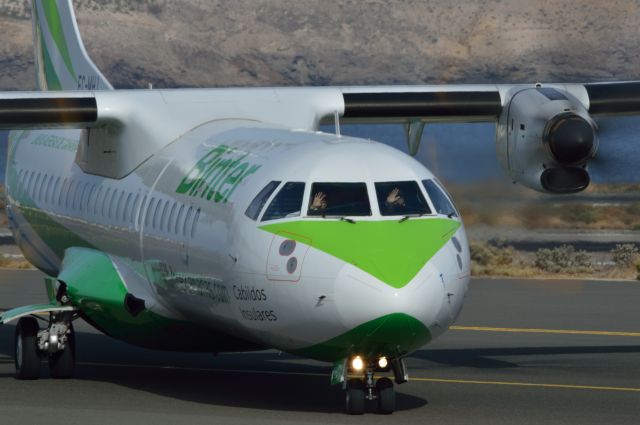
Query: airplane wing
{"points": [[469, 103], [545, 136]]}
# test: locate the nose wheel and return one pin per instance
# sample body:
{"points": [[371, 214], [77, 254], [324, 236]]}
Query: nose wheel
{"points": [[360, 390], [62, 363], [355, 397]]}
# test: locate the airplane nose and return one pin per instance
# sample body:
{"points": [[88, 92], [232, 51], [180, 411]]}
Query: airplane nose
{"points": [[382, 320]]}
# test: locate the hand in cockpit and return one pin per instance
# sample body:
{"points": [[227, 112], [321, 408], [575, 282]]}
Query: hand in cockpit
{"points": [[319, 202], [394, 197]]}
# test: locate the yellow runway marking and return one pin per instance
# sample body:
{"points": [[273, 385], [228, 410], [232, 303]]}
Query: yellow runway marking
{"points": [[529, 384], [542, 331], [411, 379]]}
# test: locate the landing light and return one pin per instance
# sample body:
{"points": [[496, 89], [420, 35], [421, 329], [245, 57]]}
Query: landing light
{"points": [[382, 362], [357, 363]]}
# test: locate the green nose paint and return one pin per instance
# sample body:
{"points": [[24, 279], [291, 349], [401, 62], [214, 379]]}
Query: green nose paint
{"points": [[391, 251]]}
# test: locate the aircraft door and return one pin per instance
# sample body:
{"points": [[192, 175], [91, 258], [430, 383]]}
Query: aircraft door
{"points": [[454, 291], [286, 257]]}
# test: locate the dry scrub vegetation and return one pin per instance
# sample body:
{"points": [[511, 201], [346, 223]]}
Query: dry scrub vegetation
{"points": [[14, 263], [564, 261]]}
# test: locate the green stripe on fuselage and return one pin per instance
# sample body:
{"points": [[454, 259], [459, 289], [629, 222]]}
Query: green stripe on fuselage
{"points": [[95, 286], [392, 335], [391, 251]]}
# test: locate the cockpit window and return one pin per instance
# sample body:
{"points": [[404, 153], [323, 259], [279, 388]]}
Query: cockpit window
{"points": [[401, 198], [287, 203], [440, 200], [254, 208], [339, 199]]}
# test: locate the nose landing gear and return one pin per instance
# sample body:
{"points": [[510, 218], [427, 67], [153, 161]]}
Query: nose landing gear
{"points": [[56, 342], [360, 389]]}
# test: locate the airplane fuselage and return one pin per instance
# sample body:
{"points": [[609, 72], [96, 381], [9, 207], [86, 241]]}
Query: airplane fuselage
{"points": [[178, 235]]}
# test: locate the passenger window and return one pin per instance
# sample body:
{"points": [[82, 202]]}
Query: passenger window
{"points": [[114, 206], [178, 219], [119, 206], [29, 186], [440, 200], [62, 191], [47, 189], [96, 201], [77, 200], [287, 203], [256, 206], [73, 194], [43, 186], [127, 207], [163, 221], [195, 222], [54, 191], [148, 221], [157, 215], [186, 221], [143, 203], [401, 198], [172, 216], [68, 201], [134, 208], [87, 198], [339, 199], [36, 185], [105, 202]]}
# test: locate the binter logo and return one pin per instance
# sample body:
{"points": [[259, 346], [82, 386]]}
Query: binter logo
{"points": [[217, 174]]}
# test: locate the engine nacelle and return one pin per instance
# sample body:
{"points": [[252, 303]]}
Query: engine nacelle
{"points": [[544, 140]]}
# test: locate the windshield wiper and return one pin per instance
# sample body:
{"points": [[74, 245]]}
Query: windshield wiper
{"points": [[407, 217], [348, 220]]}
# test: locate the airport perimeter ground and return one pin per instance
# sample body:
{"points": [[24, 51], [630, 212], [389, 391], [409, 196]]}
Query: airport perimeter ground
{"points": [[522, 352]]}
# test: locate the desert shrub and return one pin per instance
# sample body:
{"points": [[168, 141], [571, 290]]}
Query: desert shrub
{"points": [[625, 255], [485, 254], [633, 209], [10, 262], [580, 214], [563, 259]]}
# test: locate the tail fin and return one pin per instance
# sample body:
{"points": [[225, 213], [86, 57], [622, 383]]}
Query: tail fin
{"points": [[62, 62]]}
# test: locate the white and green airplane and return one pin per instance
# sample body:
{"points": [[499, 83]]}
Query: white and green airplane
{"points": [[222, 220]]}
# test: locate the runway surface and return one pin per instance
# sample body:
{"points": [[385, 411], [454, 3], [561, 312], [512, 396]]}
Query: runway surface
{"points": [[525, 352]]}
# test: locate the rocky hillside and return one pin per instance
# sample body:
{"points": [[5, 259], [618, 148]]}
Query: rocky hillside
{"points": [[286, 42]]}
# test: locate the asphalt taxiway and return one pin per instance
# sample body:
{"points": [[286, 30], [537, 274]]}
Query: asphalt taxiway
{"points": [[523, 351]]}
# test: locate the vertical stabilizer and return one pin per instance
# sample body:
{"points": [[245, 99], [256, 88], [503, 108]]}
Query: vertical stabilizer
{"points": [[61, 61]]}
